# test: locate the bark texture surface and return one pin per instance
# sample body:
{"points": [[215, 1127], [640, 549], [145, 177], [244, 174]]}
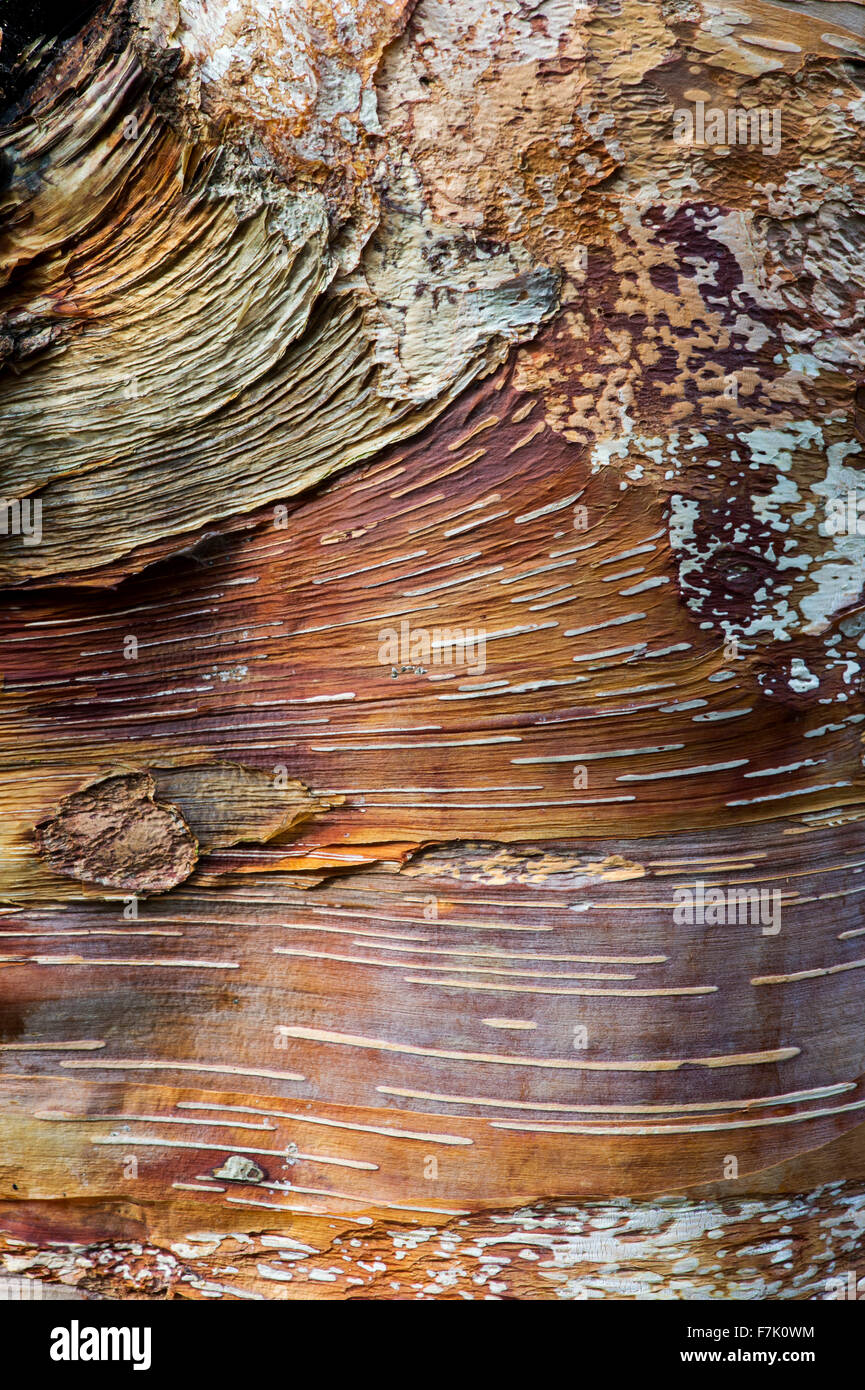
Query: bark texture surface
{"points": [[330, 965]]}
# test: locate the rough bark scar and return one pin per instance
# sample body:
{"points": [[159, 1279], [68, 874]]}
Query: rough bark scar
{"points": [[145, 830], [114, 832]]}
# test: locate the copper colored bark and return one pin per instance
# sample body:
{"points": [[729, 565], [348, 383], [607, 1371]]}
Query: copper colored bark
{"points": [[432, 638]]}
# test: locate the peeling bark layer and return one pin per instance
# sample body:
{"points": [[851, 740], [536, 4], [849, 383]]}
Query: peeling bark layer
{"points": [[732, 1250], [432, 710]]}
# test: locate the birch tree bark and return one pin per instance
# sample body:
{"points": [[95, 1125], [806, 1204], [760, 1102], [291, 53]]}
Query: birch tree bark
{"points": [[432, 698]]}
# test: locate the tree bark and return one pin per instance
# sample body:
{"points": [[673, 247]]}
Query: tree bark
{"points": [[432, 639]]}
